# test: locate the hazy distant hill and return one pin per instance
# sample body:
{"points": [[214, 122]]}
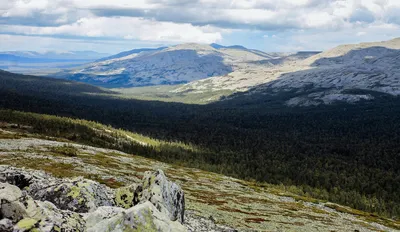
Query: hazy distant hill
{"points": [[30, 62], [51, 56]]}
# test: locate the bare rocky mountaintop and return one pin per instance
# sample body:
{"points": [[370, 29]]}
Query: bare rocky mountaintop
{"points": [[345, 73], [179, 64]]}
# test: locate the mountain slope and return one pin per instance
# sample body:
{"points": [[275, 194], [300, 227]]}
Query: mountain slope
{"points": [[251, 73], [131, 52], [348, 73], [211, 198], [174, 65]]}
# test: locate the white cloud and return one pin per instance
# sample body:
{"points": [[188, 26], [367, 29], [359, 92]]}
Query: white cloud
{"points": [[262, 14], [124, 27], [323, 40], [361, 33], [43, 44], [203, 21]]}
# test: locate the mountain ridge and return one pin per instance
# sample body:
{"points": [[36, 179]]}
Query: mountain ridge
{"points": [[342, 74], [177, 64]]}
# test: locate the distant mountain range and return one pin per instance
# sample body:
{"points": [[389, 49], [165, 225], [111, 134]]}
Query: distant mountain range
{"points": [[30, 62], [347, 73], [167, 66], [45, 57]]}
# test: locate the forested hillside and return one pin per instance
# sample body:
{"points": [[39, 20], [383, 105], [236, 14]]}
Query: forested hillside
{"points": [[345, 153]]}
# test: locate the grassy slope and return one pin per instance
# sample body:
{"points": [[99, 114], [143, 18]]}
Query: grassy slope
{"points": [[165, 93], [241, 204]]}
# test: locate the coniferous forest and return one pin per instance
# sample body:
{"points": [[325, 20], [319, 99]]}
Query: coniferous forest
{"points": [[344, 153]]}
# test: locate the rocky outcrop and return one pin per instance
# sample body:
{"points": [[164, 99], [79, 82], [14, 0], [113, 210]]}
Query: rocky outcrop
{"points": [[142, 217], [167, 196], [6, 225], [35, 201], [127, 197], [78, 195], [19, 212]]}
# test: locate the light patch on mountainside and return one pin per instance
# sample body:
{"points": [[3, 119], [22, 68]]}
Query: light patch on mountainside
{"points": [[250, 74], [168, 93]]}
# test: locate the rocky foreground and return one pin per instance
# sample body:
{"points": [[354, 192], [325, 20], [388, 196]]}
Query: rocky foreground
{"points": [[36, 201]]}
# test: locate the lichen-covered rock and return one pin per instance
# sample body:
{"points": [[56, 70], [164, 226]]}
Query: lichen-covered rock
{"points": [[48, 204], [78, 195], [53, 219], [127, 197], [6, 225], [15, 205], [22, 178], [26, 224], [142, 217], [26, 214], [167, 196]]}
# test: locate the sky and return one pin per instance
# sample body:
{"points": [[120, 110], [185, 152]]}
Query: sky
{"points": [[112, 26]]}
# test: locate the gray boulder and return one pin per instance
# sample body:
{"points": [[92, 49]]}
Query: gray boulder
{"points": [[142, 217], [20, 177], [22, 213], [36, 201], [14, 204], [78, 195], [6, 225], [127, 197], [49, 218], [167, 196]]}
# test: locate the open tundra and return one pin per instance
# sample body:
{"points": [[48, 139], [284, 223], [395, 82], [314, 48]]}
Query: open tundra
{"points": [[209, 201]]}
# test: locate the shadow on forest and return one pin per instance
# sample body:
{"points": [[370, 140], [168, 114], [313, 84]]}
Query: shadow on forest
{"points": [[41, 85]]}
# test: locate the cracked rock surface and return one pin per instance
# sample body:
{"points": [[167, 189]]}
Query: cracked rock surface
{"points": [[36, 201]]}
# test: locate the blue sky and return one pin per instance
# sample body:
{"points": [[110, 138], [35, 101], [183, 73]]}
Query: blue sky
{"points": [[269, 25]]}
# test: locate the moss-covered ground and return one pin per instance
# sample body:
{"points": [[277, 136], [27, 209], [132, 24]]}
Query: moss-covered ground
{"points": [[240, 204]]}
